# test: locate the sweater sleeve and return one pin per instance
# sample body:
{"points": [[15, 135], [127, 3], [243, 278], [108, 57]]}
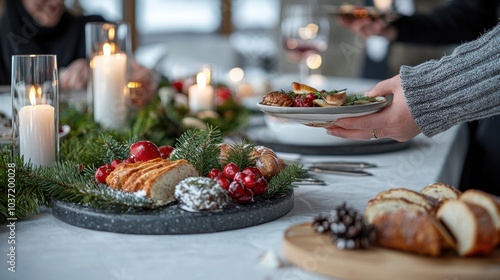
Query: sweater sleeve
{"points": [[461, 87]]}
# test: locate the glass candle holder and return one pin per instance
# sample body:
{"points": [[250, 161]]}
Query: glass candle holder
{"points": [[35, 108], [108, 47]]}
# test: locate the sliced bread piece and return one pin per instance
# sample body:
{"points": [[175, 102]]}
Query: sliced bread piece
{"points": [[116, 179], [429, 203], [160, 186], [471, 225], [379, 206], [441, 191], [489, 202]]}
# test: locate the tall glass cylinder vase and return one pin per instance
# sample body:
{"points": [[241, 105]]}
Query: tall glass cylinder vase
{"points": [[35, 108], [108, 47]]}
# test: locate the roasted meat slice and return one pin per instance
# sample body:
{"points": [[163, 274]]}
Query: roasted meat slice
{"points": [[277, 98]]}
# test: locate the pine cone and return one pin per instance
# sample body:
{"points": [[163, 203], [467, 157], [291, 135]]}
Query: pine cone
{"points": [[347, 228]]}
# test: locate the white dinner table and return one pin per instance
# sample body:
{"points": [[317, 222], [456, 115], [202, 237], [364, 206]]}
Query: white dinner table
{"points": [[48, 248]]}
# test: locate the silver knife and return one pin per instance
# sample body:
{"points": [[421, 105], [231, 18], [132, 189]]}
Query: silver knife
{"points": [[343, 164], [348, 172]]}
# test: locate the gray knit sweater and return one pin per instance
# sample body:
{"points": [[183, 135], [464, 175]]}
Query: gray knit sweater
{"points": [[461, 87]]}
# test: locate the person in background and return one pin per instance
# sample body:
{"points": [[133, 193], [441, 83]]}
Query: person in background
{"points": [[436, 95], [455, 22], [48, 27]]}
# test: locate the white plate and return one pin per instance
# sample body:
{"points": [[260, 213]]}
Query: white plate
{"points": [[286, 132], [324, 116]]}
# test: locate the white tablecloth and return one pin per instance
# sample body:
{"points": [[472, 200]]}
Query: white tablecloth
{"points": [[47, 248]]}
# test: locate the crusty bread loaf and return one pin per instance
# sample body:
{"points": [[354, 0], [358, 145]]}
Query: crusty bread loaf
{"points": [[429, 203], [409, 230], [489, 202], [157, 178], [380, 206], [441, 191], [471, 225]]}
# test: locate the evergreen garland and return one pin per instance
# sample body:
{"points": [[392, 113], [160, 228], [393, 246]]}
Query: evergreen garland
{"points": [[88, 146], [201, 148], [283, 181]]}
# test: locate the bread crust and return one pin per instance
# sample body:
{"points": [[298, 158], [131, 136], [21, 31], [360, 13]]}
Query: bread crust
{"points": [[380, 206], [489, 202], [441, 192], [429, 203], [409, 230]]}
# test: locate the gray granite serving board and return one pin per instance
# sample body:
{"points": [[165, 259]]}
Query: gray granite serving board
{"points": [[172, 219]]}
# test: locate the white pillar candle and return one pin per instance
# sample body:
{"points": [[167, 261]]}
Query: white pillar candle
{"points": [[37, 132], [109, 83], [201, 95]]}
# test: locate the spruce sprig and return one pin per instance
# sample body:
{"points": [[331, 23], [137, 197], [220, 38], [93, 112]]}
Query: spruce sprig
{"points": [[241, 154], [28, 197], [283, 181], [200, 147]]}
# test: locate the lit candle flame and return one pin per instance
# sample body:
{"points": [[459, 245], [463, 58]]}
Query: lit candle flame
{"points": [[32, 95], [106, 49], [201, 80]]}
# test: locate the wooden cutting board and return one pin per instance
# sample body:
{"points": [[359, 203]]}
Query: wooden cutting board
{"points": [[316, 253]]}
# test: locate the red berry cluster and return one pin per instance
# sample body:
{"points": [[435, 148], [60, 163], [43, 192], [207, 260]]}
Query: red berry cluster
{"points": [[139, 151], [304, 101], [240, 185]]}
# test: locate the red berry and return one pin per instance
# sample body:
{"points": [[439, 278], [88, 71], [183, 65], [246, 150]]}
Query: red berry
{"points": [[144, 151], [102, 173], [252, 170], [230, 170], [239, 193], [178, 85], [214, 173], [165, 151], [249, 181], [223, 182], [261, 186], [310, 96], [239, 176], [236, 190], [222, 95], [128, 160], [115, 163]]}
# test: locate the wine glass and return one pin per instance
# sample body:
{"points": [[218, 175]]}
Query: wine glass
{"points": [[304, 31]]}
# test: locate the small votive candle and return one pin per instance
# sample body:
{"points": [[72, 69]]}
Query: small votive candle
{"points": [[201, 96]]}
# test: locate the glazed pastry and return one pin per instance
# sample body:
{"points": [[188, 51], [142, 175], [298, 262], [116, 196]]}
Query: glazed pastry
{"points": [[267, 161], [157, 178]]}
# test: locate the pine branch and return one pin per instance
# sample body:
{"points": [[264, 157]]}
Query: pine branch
{"points": [[241, 154], [200, 147], [283, 181]]}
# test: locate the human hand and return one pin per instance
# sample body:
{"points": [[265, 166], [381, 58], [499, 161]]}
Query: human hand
{"points": [[394, 122], [148, 84], [366, 27], [74, 76]]}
